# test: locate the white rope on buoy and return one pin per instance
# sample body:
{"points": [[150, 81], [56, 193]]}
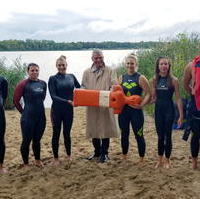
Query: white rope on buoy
{"points": [[104, 98]]}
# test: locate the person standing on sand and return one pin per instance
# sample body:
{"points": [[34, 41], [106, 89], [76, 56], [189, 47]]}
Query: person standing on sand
{"points": [[3, 96], [189, 85], [133, 83], [101, 124], [33, 120], [61, 88], [164, 86]]}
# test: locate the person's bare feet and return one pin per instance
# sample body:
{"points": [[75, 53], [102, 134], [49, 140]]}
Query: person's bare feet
{"points": [[167, 164], [69, 161], [24, 166], [124, 157], [141, 162], [69, 158], [159, 163], [3, 170], [39, 163], [56, 162], [194, 163]]}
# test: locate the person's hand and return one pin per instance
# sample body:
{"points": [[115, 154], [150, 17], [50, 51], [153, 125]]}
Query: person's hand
{"points": [[70, 102], [180, 121], [153, 99]]}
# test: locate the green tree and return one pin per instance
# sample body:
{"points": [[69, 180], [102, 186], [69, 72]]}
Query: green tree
{"points": [[181, 50], [13, 74]]}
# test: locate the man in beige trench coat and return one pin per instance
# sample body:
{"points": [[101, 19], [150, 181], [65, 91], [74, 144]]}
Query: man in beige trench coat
{"points": [[101, 124]]}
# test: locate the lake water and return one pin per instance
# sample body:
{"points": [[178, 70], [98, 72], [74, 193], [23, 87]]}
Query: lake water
{"points": [[77, 61]]}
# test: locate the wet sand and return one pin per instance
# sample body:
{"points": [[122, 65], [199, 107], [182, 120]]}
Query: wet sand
{"points": [[91, 180]]}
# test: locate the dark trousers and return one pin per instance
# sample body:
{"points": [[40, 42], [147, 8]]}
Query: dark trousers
{"points": [[101, 146]]}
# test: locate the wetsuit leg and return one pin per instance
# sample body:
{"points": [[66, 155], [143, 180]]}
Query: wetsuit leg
{"points": [[137, 122], [195, 126], [67, 125], [97, 146], [2, 134], [27, 127], [169, 119], [160, 124], [124, 124], [56, 123], [38, 133], [104, 146]]}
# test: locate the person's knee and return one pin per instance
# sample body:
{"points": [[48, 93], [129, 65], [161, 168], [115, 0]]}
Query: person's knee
{"points": [[140, 139], [67, 136], [36, 143], [26, 142], [56, 136], [196, 137], [55, 141], [161, 137], [168, 139], [124, 135]]}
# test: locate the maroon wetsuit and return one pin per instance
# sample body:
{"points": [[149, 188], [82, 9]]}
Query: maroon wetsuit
{"points": [[33, 119]]}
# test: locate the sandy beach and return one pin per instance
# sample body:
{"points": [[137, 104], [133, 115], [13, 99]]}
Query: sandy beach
{"points": [[91, 180]]}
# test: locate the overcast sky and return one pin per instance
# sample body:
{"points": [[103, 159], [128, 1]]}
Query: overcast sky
{"points": [[93, 20]]}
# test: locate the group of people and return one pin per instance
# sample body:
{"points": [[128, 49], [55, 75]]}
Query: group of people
{"points": [[101, 124]]}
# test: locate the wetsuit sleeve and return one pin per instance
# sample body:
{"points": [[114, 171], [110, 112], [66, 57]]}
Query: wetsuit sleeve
{"points": [[4, 90], [76, 83], [18, 93], [52, 91], [45, 90]]}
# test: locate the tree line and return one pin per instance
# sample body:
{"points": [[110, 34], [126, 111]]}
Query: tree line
{"points": [[48, 45]]}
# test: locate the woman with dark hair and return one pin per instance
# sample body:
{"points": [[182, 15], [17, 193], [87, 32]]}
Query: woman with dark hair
{"points": [[3, 96], [61, 88], [33, 120], [164, 86]]}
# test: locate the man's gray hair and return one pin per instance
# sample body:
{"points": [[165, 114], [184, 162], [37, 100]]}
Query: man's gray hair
{"points": [[97, 51]]}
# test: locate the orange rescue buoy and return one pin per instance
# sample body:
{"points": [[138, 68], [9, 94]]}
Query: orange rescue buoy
{"points": [[115, 99]]}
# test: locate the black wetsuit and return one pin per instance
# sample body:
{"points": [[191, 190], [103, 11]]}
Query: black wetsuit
{"points": [[61, 88], [3, 96], [33, 120], [164, 116], [195, 127], [130, 84]]}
